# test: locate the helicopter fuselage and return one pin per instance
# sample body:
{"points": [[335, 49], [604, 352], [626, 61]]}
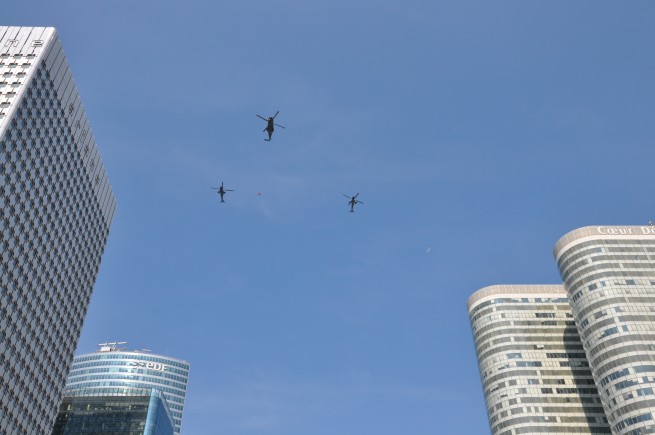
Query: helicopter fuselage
{"points": [[270, 125], [270, 128], [222, 191]]}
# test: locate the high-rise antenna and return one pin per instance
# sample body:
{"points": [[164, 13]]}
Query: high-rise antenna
{"points": [[112, 346]]}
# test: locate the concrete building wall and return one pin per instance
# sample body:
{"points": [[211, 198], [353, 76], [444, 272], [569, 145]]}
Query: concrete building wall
{"points": [[56, 208]]}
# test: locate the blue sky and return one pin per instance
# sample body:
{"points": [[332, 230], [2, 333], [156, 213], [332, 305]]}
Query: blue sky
{"points": [[477, 134]]}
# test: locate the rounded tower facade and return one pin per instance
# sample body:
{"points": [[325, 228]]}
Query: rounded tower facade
{"points": [[609, 275], [534, 373], [116, 371]]}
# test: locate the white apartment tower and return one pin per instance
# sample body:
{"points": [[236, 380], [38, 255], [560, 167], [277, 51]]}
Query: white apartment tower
{"points": [[609, 275], [56, 208], [534, 372]]}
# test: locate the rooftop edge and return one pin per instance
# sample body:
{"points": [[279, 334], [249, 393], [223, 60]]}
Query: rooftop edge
{"points": [[514, 289], [602, 232]]}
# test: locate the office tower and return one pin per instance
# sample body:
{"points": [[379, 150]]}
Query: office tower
{"points": [[609, 275], [56, 208], [115, 371], [534, 373], [143, 412]]}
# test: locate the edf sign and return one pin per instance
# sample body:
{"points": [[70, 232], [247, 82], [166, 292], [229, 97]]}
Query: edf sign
{"points": [[149, 365]]}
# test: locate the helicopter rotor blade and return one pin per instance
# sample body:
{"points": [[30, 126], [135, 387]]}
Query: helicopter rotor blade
{"points": [[260, 116], [215, 188], [360, 202], [229, 190], [276, 114], [281, 126], [347, 196], [357, 195]]}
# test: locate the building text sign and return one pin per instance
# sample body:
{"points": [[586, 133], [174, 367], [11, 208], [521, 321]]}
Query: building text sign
{"points": [[627, 231], [149, 365]]}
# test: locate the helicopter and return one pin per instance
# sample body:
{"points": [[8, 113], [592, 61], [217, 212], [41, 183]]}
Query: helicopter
{"points": [[270, 127], [221, 191], [353, 201]]}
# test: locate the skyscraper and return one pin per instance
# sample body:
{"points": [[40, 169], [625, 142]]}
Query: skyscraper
{"points": [[142, 412], [609, 275], [56, 208], [534, 373], [114, 371]]}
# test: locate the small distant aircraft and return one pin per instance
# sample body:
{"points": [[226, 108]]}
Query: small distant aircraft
{"points": [[353, 201], [221, 191], [270, 127]]}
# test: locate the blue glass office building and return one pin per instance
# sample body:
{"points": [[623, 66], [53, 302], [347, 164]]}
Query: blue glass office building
{"points": [[143, 412], [113, 371]]}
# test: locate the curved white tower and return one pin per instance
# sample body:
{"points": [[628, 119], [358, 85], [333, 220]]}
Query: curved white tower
{"points": [[609, 274], [534, 373]]}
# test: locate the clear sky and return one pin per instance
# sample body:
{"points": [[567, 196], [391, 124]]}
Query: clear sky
{"points": [[477, 133]]}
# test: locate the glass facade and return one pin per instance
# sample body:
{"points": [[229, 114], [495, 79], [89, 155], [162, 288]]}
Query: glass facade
{"points": [[534, 372], [120, 372], [144, 412], [577, 358], [56, 208], [609, 274]]}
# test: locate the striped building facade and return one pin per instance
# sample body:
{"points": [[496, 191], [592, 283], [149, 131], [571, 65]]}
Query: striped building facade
{"points": [[56, 209]]}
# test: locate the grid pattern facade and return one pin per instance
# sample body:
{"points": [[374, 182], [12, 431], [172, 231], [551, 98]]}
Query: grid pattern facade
{"points": [[534, 372], [56, 208], [609, 274], [119, 372], [145, 414]]}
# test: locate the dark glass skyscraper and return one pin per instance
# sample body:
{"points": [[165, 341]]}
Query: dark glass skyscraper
{"points": [[56, 208], [144, 412]]}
